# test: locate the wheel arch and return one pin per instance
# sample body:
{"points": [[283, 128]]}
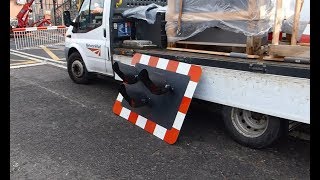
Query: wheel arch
{"points": [[72, 50]]}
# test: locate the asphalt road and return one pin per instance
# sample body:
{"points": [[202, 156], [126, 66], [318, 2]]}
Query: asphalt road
{"points": [[62, 130], [58, 50]]}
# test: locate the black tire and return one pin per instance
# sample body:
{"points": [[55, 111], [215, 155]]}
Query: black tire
{"points": [[75, 61], [264, 137]]}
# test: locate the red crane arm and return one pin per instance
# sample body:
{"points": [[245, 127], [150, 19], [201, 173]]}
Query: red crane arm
{"points": [[23, 15]]}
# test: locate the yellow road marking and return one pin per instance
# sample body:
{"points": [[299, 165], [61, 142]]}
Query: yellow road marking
{"points": [[23, 63], [50, 53]]}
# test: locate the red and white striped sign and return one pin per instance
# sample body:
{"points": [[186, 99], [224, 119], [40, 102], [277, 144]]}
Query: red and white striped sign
{"points": [[168, 135], [37, 28]]}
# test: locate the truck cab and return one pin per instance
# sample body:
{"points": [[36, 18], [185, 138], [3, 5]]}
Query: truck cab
{"points": [[90, 37]]}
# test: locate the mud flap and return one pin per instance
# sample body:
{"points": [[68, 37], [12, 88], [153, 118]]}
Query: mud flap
{"points": [[156, 93]]}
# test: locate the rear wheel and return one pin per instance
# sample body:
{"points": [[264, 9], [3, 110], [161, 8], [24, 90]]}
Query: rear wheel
{"points": [[77, 70], [252, 129]]}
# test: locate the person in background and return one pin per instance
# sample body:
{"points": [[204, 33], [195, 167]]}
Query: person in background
{"points": [[96, 6]]}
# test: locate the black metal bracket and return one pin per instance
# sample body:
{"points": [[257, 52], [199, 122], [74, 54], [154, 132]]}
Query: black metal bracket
{"points": [[135, 99], [262, 68], [154, 87], [129, 78]]}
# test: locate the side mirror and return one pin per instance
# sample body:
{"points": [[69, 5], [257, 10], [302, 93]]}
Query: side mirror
{"points": [[67, 19]]}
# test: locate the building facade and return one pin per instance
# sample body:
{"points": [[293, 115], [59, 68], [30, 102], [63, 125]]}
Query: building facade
{"points": [[44, 9]]}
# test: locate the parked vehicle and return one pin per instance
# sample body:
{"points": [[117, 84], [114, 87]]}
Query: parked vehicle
{"points": [[260, 98]]}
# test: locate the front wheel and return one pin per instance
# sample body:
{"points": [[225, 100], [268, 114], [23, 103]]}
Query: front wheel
{"points": [[251, 129], [77, 70]]}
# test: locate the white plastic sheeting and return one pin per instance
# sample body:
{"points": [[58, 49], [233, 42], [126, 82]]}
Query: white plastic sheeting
{"points": [[288, 11], [147, 13], [250, 17]]}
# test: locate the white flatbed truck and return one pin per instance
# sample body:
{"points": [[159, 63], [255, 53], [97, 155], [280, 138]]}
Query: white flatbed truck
{"points": [[260, 98]]}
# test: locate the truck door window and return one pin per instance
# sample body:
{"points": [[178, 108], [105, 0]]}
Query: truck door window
{"points": [[90, 15]]}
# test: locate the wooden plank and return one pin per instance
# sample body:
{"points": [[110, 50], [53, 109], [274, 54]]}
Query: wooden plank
{"points": [[250, 39], [209, 52], [273, 58], [238, 49], [200, 51], [180, 16], [289, 50], [257, 43], [252, 9], [171, 7], [277, 23], [209, 16], [253, 44], [303, 44], [249, 46], [295, 28], [212, 43], [171, 44], [171, 29]]}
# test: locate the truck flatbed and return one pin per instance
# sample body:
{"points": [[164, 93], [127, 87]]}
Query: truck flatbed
{"points": [[242, 64]]}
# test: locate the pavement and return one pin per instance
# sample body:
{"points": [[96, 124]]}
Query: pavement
{"points": [[62, 130]]}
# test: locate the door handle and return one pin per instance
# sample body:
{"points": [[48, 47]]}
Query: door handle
{"points": [[68, 36], [104, 33]]}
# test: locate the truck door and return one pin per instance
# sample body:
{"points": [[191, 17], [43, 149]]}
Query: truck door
{"points": [[92, 35]]}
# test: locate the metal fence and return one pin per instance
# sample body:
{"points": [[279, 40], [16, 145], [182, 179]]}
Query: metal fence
{"points": [[34, 37]]}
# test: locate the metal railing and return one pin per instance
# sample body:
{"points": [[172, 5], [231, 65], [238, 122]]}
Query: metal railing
{"points": [[34, 37]]}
